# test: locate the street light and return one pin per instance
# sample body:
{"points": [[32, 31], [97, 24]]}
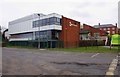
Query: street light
{"points": [[0, 28], [39, 32]]}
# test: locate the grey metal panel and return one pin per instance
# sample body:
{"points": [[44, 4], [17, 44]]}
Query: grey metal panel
{"points": [[33, 16], [25, 24]]}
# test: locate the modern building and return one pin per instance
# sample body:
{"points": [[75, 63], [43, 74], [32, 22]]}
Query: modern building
{"points": [[110, 28], [52, 30], [90, 33]]}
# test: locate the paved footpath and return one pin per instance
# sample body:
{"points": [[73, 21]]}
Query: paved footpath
{"points": [[35, 62]]}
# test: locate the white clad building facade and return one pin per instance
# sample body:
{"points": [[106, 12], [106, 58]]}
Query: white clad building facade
{"points": [[34, 27]]}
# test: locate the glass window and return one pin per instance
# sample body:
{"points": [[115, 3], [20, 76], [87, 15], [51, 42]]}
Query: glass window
{"points": [[47, 21], [56, 35], [54, 19], [113, 28], [43, 22], [58, 19], [26, 35], [113, 32], [96, 35], [34, 24], [51, 20], [108, 28], [104, 28], [40, 23], [44, 35]]}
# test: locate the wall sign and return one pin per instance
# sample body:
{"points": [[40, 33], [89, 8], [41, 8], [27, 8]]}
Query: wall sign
{"points": [[72, 24]]}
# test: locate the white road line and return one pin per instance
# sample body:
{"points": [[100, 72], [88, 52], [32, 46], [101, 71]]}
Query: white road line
{"points": [[42, 49], [95, 55]]}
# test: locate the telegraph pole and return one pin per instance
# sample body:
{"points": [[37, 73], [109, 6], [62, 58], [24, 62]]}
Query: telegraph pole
{"points": [[38, 32]]}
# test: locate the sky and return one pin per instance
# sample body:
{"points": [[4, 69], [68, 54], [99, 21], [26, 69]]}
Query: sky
{"points": [[90, 12]]}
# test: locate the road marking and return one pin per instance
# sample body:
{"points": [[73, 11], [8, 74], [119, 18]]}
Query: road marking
{"points": [[109, 73], [112, 66], [95, 55]]}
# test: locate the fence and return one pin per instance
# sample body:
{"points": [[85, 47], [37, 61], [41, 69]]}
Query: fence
{"points": [[45, 44], [92, 43]]}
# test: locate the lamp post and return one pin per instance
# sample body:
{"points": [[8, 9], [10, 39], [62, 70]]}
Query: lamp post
{"points": [[0, 29], [38, 32]]}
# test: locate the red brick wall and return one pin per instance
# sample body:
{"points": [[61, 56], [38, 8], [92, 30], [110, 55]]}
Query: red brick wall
{"points": [[69, 34], [93, 30]]}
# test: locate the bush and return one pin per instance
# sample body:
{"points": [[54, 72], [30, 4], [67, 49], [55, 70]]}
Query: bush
{"points": [[91, 43]]}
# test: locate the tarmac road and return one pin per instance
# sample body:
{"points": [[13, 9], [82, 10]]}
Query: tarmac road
{"points": [[35, 62]]}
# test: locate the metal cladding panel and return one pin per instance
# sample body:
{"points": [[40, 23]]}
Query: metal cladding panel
{"points": [[25, 24], [20, 27], [26, 29], [26, 18]]}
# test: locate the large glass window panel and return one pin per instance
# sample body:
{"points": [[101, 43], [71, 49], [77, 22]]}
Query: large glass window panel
{"points": [[37, 23], [58, 19], [26, 35], [47, 21], [54, 19], [44, 35], [51, 20], [57, 22], [34, 24], [43, 22], [40, 23]]}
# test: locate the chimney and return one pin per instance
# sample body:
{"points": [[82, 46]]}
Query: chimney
{"points": [[99, 24], [116, 24]]}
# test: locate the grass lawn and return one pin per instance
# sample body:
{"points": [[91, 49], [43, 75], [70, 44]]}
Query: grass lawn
{"points": [[80, 49], [26, 47], [86, 49]]}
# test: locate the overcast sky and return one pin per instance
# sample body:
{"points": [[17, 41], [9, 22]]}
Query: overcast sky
{"points": [[85, 11]]}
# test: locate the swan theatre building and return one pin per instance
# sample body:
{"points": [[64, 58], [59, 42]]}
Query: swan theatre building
{"points": [[52, 30]]}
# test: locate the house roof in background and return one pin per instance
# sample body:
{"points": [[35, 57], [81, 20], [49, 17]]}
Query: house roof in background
{"points": [[103, 25]]}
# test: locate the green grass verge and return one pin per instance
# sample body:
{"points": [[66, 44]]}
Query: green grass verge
{"points": [[86, 49], [24, 47], [80, 49]]}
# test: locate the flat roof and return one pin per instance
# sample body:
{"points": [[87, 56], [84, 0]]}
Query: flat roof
{"points": [[33, 16]]}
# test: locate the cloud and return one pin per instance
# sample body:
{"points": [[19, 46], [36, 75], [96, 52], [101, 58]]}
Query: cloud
{"points": [[88, 11]]}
